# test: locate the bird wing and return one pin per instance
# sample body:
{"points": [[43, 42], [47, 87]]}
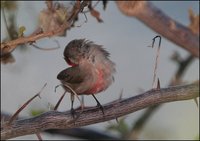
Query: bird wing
{"points": [[71, 75]]}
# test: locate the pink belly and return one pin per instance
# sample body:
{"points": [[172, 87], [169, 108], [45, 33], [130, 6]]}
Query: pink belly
{"points": [[98, 86]]}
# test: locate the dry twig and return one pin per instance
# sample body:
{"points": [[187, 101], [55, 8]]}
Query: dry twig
{"points": [[24, 105]]}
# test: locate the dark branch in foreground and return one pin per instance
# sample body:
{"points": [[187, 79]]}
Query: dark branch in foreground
{"points": [[61, 120], [82, 133]]}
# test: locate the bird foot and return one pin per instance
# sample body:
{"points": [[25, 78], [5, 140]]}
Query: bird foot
{"points": [[100, 107], [75, 115]]}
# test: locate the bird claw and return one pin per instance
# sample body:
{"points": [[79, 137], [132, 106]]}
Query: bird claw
{"points": [[100, 107], [75, 114]]}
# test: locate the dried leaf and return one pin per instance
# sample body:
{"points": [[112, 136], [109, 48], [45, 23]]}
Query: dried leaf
{"points": [[96, 14], [61, 14], [8, 58], [194, 21], [49, 4], [53, 19]]}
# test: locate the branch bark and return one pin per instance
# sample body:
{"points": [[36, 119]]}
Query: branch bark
{"points": [[158, 21], [82, 133], [61, 120]]}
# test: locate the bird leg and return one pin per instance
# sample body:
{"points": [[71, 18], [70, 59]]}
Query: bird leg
{"points": [[98, 104], [73, 112], [72, 103], [74, 93]]}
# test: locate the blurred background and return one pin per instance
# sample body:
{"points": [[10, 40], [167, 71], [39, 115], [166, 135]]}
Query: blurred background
{"points": [[126, 39]]}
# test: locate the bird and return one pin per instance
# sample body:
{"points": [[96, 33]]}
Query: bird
{"points": [[91, 71]]}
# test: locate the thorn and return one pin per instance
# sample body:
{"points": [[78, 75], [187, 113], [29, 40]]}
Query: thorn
{"points": [[117, 120], [158, 84], [49, 106], [196, 101], [120, 95], [39, 96], [41, 90]]}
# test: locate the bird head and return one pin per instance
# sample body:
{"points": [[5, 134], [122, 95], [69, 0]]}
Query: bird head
{"points": [[83, 50]]}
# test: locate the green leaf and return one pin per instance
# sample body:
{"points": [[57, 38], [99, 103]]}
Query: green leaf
{"points": [[21, 31], [36, 112]]}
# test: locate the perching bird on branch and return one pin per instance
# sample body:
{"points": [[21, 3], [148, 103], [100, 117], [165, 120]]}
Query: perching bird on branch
{"points": [[91, 69]]}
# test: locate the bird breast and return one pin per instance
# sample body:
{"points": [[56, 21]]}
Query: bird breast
{"points": [[99, 85]]}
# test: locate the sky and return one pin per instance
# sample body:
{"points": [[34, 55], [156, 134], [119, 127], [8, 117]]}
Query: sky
{"points": [[126, 39]]}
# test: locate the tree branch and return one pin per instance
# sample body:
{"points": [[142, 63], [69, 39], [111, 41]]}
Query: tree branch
{"points": [[162, 24], [9, 46], [61, 120], [82, 133]]}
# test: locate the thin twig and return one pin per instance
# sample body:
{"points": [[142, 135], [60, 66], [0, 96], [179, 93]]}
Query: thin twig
{"points": [[6, 23], [45, 49], [39, 136], [59, 101], [97, 2], [157, 57], [24, 105], [84, 21]]}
